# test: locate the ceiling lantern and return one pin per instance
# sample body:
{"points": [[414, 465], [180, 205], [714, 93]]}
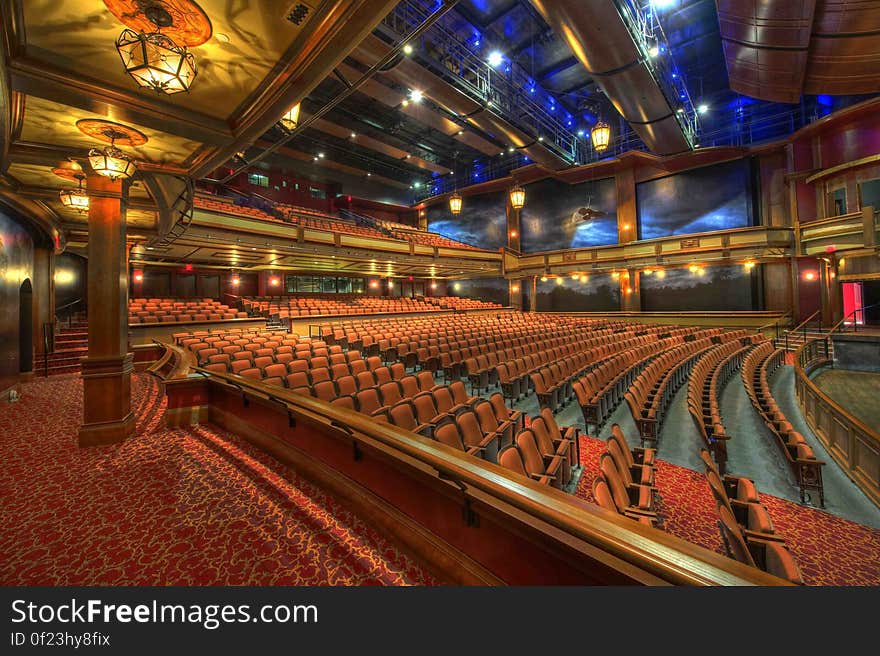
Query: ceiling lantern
{"points": [[455, 203], [75, 199], [291, 118], [600, 136], [517, 197], [156, 62], [111, 163]]}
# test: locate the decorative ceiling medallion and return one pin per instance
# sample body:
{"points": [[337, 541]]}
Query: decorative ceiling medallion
{"points": [[110, 132], [68, 173], [189, 25]]}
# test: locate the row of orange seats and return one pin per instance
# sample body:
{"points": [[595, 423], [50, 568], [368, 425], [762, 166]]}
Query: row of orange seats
{"points": [[175, 310]]}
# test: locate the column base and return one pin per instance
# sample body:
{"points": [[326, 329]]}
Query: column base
{"points": [[107, 416], [105, 433]]}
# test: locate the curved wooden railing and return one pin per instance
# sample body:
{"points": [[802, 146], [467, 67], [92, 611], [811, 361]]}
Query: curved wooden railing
{"points": [[855, 446], [637, 554]]}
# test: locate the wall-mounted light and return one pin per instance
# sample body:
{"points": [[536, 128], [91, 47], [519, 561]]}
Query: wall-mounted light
{"points": [[374, 284], [274, 281], [809, 276], [661, 273], [64, 276], [515, 289], [584, 278], [749, 265], [543, 278], [647, 272], [138, 275], [559, 280], [235, 281], [693, 268], [433, 285], [615, 275], [456, 286], [513, 234]]}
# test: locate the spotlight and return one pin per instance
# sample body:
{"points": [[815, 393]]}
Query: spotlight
{"points": [[559, 280], [653, 51], [407, 49], [543, 278], [580, 133], [703, 108], [495, 58], [415, 95]]}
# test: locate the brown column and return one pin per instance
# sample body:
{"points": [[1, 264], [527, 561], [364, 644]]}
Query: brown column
{"points": [[532, 282], [513, 228], [44, 294], [516, 293], [626, 206], [630, 291], [830, 293], [106, 371]]}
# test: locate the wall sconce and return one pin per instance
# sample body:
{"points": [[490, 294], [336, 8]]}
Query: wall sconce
{"points": [[809, 276]]}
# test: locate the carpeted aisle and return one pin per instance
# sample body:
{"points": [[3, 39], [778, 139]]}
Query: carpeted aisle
{"points": [[168, 507], [829, 549]]}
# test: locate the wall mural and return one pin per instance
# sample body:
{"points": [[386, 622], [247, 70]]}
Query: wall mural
{"points": [[559, 215], [719, 288], [599, 293], [494, 290], [711, 198], [482, 222]]}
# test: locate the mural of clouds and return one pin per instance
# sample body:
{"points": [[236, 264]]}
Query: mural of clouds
{"points": [[494, 290], [711, 198], [600, 293], [482, 222], [550, 218], [719, 288]]}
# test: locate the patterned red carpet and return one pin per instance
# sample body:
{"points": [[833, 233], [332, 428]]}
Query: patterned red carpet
{"points": [[829, 549], [168, 507]]}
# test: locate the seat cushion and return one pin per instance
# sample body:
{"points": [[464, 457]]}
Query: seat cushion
{"points": [[759, 519], [746, 490], [779, 562]]}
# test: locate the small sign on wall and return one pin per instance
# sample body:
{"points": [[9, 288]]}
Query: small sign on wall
{"points": [[569, 256], [692, 242]]}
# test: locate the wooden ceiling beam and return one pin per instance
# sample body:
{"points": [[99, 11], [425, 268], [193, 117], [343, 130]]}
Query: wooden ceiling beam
{"points": [[35, 77]]}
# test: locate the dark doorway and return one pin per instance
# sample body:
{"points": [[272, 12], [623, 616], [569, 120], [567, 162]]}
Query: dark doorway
{"points": [[871, 297], [25, 327]]}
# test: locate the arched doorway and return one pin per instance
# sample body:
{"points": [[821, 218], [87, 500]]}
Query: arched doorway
{"points": [[25, 327]]}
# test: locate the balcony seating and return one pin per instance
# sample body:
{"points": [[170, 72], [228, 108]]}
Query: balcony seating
{"points": [[757, 369], [179, 310]]}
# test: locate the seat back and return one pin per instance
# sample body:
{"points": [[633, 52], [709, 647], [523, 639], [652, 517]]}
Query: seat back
{"points": [[448, 434], [511, 459], [531, 456], [602, 494], [733, 538]]}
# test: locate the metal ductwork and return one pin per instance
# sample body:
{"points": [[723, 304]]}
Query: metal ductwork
{"points": [[413, 76], [601, 40]]}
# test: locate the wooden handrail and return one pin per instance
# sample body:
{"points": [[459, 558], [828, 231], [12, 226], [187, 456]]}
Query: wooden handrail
{"points": [[840, 450], [805, 322], [664, 556], [836, 326]]}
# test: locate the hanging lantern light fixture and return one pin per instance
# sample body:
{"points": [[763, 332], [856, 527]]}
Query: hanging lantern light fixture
{"points": [[75, 199], [455, 198], [517, 197], [600, 136], [455, 203], [111, 162], [153, 59], [291, 118]]}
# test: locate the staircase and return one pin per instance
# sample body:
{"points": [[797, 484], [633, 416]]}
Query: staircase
{"points": [[796, 340], [71, 344]]}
